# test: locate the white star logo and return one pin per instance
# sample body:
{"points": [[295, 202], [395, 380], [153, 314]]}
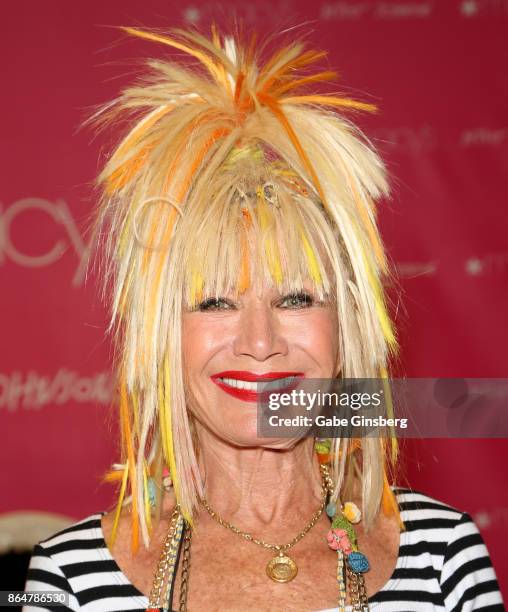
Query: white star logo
{"points": [[482, 519], [474, 266], [469, 8], [192, 14]]}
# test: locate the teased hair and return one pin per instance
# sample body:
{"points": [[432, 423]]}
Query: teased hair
{"points": [[221, 157]]}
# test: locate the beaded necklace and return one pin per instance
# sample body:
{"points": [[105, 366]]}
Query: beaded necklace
{"points": [[341, 538], [351, 563]]}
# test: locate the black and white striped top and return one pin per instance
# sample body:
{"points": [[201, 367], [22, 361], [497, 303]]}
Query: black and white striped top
{"points": [[443, 564]]}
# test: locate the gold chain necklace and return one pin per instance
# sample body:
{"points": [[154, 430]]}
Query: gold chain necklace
{"points": [[281, 568], [166, 568]]}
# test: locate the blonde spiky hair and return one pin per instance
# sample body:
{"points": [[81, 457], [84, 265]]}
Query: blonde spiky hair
{"points": [[220, 160]]}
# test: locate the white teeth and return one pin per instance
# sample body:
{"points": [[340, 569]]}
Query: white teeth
{"points": [[276, 383]]}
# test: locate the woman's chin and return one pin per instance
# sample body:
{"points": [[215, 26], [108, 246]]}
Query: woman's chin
{"points": [[249, 437], [239, 426]]}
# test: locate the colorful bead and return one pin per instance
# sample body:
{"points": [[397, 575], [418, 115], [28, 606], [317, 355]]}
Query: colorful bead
{"points": [[322, 447], [166, 479], [352, 512], [152, 491], [341, 522], [324, 458], [358, 562], [331, 509], [338, 540]]}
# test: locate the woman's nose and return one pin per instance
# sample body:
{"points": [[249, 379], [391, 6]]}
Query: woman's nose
{"points": [[259, 333]]}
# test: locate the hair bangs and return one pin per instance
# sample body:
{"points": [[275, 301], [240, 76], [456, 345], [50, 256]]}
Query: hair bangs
{"points": [[252, 230]]}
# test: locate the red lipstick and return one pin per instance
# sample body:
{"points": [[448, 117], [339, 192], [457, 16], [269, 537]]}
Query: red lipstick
{"points": [[248, 395]]}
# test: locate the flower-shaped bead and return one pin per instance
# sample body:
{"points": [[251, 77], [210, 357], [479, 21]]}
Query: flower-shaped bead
{"points": [[339, 540]]}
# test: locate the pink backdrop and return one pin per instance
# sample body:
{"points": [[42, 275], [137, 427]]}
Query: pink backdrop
{"points": [[438, 72]]}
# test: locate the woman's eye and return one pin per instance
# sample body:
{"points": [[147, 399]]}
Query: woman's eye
{"points": [[298, 300], [214, 304]]}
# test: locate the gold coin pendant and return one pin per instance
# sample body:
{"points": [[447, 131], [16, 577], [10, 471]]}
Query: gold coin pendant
{"points": [[281, 568]]}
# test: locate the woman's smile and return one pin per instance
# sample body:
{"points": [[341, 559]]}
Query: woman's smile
{"points": [[254, 387]]}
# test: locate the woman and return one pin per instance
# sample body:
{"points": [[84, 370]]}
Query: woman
{"points": [[240, 235]]}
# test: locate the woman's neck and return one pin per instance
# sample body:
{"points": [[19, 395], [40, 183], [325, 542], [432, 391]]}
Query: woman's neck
{"points": [[256, 487]]}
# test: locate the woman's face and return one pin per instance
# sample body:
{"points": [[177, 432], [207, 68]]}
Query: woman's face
{"points": [[228, 340]]}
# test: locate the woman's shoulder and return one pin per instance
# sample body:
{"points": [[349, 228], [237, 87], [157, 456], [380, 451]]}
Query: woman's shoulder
{"points": [[442, 547], [68, 552], [82, 534], [77, 561], [447, 537], [417, 505], [431, 520]]}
